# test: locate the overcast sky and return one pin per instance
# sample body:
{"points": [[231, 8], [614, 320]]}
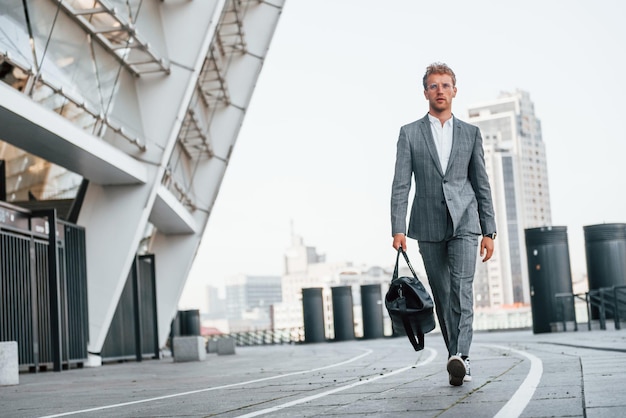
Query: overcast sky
{"points": [[317, 146]]}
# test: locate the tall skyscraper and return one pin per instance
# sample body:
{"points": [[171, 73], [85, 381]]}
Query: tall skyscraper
{"points": [[516, 161]]}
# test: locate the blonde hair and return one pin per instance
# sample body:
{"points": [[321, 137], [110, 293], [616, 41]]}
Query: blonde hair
{"points": [[438, 68]]}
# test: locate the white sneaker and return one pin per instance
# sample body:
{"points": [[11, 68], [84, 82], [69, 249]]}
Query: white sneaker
{"points": [[456, 370], [468, 375]]}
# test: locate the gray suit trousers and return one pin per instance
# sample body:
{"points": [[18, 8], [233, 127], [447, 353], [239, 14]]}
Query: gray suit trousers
{"points": [[450, 265]]}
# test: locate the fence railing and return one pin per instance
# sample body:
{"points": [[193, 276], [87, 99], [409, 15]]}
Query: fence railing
{"points": [[43, 288], [603, 303], [264, 337]]}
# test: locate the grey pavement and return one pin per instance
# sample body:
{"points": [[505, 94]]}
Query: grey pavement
{"points": [[515, 373]]}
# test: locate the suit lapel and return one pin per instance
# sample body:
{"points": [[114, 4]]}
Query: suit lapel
{"points": [[456, 137], [430, 142]]}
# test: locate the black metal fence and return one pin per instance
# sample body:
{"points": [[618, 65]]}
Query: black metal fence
{"points": [[610, 303], [133, 334], [264, 337], [43, 284], [603, 303]]}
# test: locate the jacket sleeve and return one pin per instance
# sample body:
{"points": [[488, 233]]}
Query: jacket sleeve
{"points": [[480, 183], [401, 185]]}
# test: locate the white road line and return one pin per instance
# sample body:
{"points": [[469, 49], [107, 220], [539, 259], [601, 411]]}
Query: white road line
{"points": [[522, 396], [191, 392], [430, 358], [513, 408]]}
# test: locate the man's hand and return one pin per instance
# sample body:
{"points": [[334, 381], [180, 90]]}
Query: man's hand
{"points": [[399, 240], [486, 248]]}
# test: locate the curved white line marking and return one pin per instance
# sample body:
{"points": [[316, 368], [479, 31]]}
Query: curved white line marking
{"points": [[191, 392], [522, 396], [430, 358]]}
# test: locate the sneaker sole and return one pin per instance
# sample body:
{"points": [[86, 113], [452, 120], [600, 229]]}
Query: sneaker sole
{"points": [[456, 369], [456, 381]]}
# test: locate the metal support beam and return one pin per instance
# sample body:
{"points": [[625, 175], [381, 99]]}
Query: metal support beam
{"points": [[118, 36], [3, 181]]}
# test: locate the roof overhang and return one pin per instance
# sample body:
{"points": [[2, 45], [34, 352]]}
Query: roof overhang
{"points": [[39, 131]]}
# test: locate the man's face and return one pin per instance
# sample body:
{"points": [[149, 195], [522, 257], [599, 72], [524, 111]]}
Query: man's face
{"points": [[439, 92]]}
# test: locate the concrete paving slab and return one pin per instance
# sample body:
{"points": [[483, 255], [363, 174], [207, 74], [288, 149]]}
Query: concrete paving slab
{"points": [[581, 376], [608, 412], [539, 408]]}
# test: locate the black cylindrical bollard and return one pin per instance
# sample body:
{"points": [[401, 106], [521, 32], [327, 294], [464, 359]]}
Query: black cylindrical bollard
{"points": [[372, 307], [549, 273], [605, 251], [313, 312], [343, 313]]}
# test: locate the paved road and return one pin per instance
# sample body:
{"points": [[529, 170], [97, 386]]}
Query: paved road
{"points": [[515, 373]]}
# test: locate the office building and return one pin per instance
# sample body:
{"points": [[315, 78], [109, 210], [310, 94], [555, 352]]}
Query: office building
{"points": [[516, 161], [250, 300]]}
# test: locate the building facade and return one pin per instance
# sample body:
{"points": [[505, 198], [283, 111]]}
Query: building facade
{"points": [[250, 301], [129, 109], [516, 161]]}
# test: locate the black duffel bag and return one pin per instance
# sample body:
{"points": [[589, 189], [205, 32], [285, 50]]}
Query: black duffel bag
{"points": [[410, 306]]}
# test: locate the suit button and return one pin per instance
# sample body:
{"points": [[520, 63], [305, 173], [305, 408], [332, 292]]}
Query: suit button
{"points": [[443, 202], [445, 181]]}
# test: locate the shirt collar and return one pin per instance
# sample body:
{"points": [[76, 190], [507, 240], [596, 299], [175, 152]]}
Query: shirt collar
{"points": [[435, 121]]}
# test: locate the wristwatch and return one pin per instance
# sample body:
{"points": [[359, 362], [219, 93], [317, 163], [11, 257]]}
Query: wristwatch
{"points": [[492, 235]]}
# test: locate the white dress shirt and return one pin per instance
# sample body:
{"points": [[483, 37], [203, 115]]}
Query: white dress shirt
{"points": [[443, 139]]}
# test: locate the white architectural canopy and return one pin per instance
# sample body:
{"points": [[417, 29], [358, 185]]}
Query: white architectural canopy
{"points": [[143, 101]]}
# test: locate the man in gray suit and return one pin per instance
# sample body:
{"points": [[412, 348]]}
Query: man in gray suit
{"points": [[452, 206]]}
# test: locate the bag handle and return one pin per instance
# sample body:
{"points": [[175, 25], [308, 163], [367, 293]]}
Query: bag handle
{"points": [[406, 258]]}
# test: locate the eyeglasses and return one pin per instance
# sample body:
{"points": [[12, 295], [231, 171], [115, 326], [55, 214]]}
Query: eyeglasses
{"points": [[444, 86]]}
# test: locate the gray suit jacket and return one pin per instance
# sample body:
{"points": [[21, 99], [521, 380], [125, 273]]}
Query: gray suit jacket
{"points": [[464, 190]]}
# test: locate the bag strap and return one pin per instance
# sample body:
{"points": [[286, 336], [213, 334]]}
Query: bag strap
{"points": [[417, 343], [409, 332], [406, 258]]}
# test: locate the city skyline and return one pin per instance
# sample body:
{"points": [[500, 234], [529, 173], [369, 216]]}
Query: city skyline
{"points": [[318, 143]]}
